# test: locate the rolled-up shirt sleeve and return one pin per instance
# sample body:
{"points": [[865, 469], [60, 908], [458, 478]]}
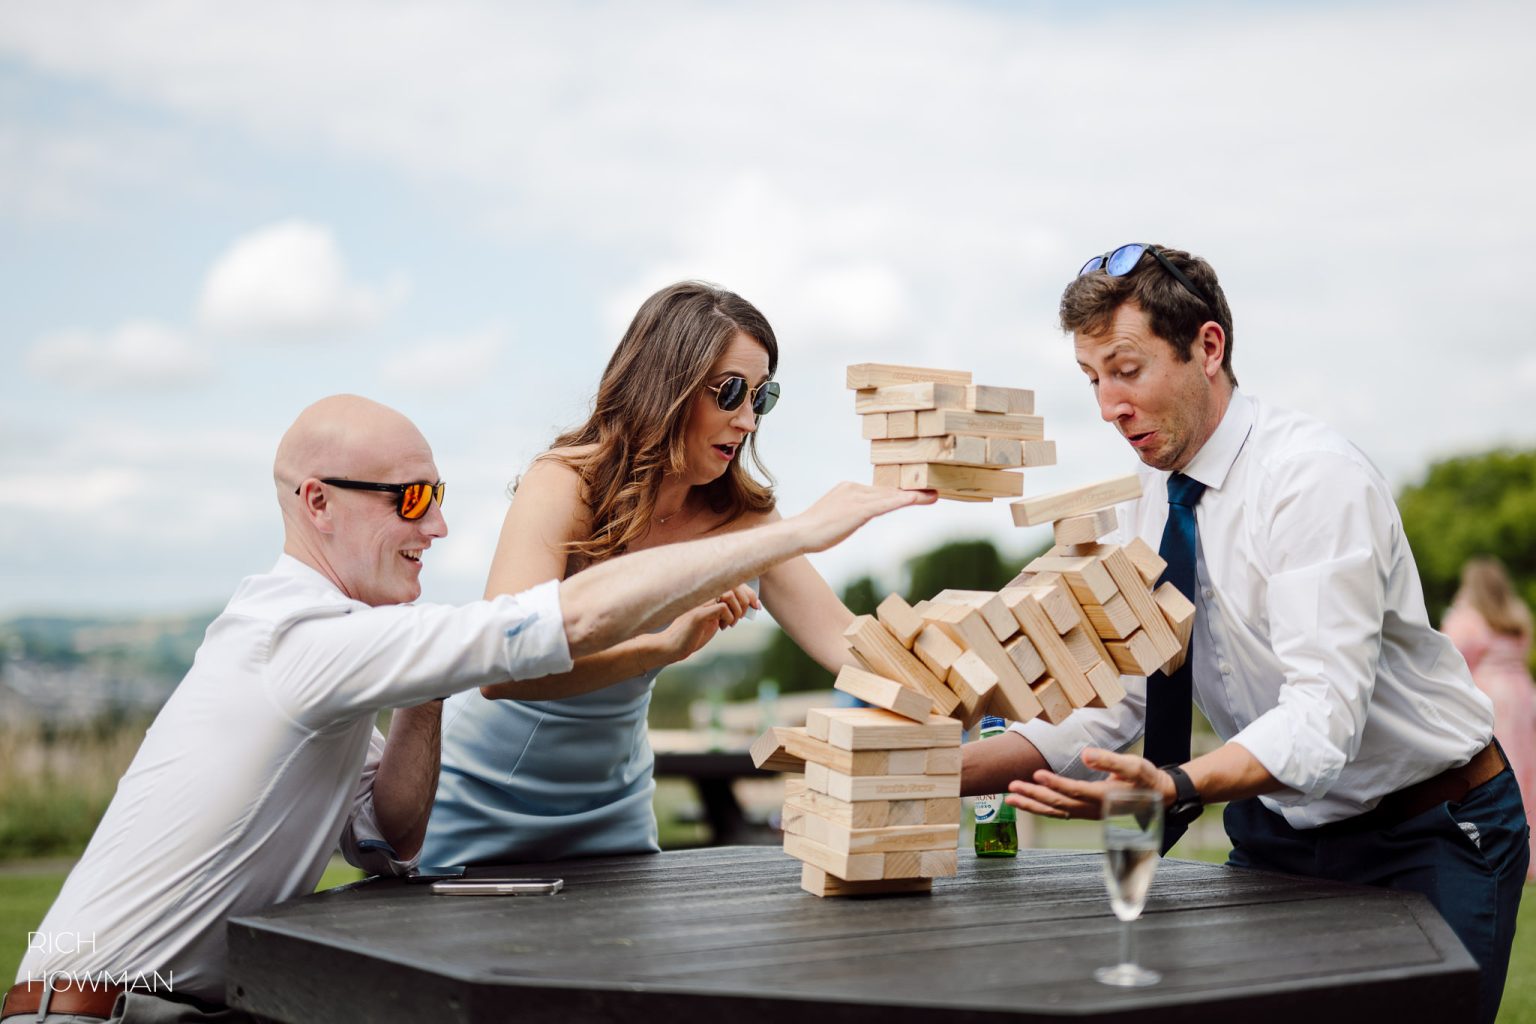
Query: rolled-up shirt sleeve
{"points": [[353, 658], [362, 841], [1331, 531]]}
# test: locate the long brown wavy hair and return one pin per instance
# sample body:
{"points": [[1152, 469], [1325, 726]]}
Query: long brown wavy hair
{"points": [[1486, 587], [639, 417]]}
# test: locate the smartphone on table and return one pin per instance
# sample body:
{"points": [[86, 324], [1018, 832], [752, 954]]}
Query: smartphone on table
{"points": [[498, 886]]}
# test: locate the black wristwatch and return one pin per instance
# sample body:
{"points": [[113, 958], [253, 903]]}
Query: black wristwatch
{"points": [[1187, 805]]}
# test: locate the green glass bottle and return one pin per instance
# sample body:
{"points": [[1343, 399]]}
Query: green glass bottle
{"points": [[997, 830]]}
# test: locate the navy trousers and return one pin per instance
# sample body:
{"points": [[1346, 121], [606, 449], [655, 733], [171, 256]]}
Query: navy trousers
{"points": [[1469, 858]]}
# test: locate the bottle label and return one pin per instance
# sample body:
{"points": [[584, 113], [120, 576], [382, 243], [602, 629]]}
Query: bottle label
{"points": [[986, 809]]}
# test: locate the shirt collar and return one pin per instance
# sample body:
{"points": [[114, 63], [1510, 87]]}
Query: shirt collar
{"points": [[287, 565], [1214, 460]]}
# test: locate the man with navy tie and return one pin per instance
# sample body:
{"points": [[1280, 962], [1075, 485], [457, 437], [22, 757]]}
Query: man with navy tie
{"points": [[1356, 747]]}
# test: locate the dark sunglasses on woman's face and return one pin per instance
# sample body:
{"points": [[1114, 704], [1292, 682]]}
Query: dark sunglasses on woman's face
{"points": [[414, 499], [730, 393]]}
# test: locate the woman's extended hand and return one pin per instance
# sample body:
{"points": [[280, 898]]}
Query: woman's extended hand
{"points": [[697, 626]]}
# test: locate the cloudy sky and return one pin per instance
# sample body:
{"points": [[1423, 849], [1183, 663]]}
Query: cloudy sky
{"points": [[211, 215]]}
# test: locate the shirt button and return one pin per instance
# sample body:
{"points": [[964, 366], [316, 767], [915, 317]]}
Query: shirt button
{"points": [[1226, 669], [1208, 593]]}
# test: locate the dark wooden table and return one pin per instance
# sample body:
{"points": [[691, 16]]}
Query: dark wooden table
{"points": [[725, 934]]}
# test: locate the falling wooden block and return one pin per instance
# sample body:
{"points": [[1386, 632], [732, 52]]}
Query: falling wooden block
{"points": [[936, 421], [1052, 593], [769, 752], [1131, 584], [900, 620], [974, 683], [1054, 705], [951, 450], [1025, 658], [1085, 528], [1084, 653], [1112, 620], [890, 839], [818, 883], [1088, 577], [1148, 562], [887, 657], [851, 867], [901, 424], [934, 648], [987, 398], [962, 480], [1048, 508], [967, 628], [1105, 681], [909, 398], [921, 864], [877, 729], [992, 609], [861, 376], [1136, 655], [884, 693], [1053, 651], [858, 788], [1180, 614]]}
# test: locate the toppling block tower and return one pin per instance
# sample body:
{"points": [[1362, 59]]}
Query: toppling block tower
{"points": [[931, 429]]}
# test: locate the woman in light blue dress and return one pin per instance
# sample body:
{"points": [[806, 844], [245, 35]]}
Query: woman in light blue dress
{"points": [[561, 766]]}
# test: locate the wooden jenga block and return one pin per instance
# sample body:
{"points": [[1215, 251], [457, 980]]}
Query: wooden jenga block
{"points": [[851, 867], [1025, 658], [901, 424], [891, 839], [909, 398], [1053, 650], [879, 375], [874, 426], [867, 814], [998, 617], [1148, 562], [900, 620], [884, 693], [940, 761], [887, 476], [1050, 590], [966, 627], [1089, 579], [986, 398], [800, 743], [937, 421], [1004, 452], [1136, 655], [1129, 580], [951, 450], [1047, 508], [877, 729], [935, 649], [1085, 528], [1112, 620], [1105, 680], [974, 683], [1054, 705], [818, 883], [887, 657], [921, 864], [769, 752], [943, 810], [858, 788], [1180, 614], [962, 480], [1083, 650]]}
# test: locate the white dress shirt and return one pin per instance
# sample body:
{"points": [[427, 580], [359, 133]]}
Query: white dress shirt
{"points": [[262, 761], [1312, 648]]}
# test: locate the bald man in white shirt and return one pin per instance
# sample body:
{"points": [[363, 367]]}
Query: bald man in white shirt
{"points": [[1356, 746], [265, 758]]}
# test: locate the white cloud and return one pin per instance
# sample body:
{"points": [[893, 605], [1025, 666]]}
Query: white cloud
{"points": [[448, 364], [139, 355], [289, 280]]}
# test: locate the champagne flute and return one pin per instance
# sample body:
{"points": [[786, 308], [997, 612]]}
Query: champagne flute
{"points": [[1133, 834]]}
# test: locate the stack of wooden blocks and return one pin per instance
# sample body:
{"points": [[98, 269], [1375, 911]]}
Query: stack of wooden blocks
{"points": [[935, 430], [878, 808]]}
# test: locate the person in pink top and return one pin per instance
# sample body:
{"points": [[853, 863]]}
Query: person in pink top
{"points": [[1491, 626]]}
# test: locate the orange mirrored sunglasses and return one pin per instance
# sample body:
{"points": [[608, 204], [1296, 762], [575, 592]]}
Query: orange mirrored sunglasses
{"points": [[414, 498]]}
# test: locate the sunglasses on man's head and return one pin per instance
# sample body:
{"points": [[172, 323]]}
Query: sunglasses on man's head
{"points": [[731, 392], [414, 498], [1123, 260]]}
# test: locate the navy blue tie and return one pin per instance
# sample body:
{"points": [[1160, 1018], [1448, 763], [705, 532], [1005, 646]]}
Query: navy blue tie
{"points": [[1169, 699]]}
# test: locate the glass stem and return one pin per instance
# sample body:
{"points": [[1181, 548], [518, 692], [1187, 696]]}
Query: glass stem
{"points": [[1127, 947]]}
